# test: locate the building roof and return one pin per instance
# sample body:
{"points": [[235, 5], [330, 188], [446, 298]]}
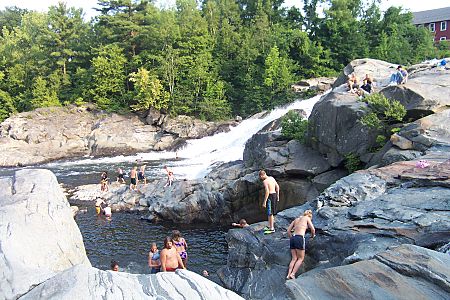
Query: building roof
{"points": [[432, 15]]}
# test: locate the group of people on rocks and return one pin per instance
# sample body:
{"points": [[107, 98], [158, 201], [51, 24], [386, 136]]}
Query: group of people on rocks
{"points": [[360, 90], [400, 76], [135, 178]]}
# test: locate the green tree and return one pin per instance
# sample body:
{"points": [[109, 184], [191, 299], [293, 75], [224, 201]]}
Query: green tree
{"points": [[149, 91], [277, 78], [109, 78], [43, 95], [214, 105]]}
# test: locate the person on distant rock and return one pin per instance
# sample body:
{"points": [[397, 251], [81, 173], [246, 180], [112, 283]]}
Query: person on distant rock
{"points": [[367, 86], [141, 175], [297, 241], [114, 266], [170, 176], [271, 198], [120, 176], [352, 82], [205, 273], [170, 259], [133, 175], [104, 182], [154, 261], [242, 223], [399, 77], [180, 245], [99, 202]]}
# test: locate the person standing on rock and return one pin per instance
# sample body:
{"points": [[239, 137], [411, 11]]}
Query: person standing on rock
{"points": [[141, 175], [297, 241], [169, 257], [170, 177], [104, 182], [133, 174], [271, 198]]}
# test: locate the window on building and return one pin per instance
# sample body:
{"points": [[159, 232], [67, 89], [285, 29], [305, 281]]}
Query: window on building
{"points": [[443, 25], [443, 38], [432, 27]]}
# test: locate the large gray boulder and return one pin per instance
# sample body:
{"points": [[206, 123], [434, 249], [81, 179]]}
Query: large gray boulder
{"points": [[335, 129], [82, 282], [404, 272], [38, 235], [356, 218], [188, 127]]}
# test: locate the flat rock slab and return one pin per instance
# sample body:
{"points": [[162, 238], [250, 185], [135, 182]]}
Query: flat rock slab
{"points": [[406, 272]]}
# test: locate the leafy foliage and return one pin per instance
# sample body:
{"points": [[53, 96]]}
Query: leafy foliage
{"points": [[352, 162], [211, 60], [294, 126]]}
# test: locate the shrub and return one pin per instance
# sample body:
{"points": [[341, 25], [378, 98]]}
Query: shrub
{"points": [[294, 126], [387, 111], [352, 162]]}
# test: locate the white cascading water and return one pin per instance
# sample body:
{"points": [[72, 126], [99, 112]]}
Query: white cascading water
{"points": [[198, 156]]}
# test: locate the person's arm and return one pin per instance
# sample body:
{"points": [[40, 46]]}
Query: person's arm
{"points": [[277, 189], [290, 229], [163, 259], [180, 261], [266, 195], [150, 255], [311, 227]]}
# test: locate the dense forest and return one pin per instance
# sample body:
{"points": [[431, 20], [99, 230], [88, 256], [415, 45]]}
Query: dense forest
{"points": [[210, 59]]}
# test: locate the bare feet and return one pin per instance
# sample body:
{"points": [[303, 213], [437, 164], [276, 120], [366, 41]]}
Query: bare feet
{"points": [[292, 276]]}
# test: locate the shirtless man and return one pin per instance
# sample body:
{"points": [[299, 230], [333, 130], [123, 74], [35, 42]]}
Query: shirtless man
{"points": [[169, 257], [271, 197], [98, 205], [133, 174], [297, 241]]}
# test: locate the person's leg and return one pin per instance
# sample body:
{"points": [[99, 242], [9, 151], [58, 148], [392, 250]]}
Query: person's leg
{"points": [[298, 263], [271, 222], [291, 265]]}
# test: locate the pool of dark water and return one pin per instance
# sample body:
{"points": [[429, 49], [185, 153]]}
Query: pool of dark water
{"points": [[127, 239]]}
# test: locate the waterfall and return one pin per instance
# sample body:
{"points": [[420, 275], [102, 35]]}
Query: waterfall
{"points": [[197, 157]]}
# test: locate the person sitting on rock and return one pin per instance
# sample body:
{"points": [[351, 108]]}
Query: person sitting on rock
{"points": [[170, 259], [367, 86], [297, 241], [120, 176], [242, 223], [104, 182], [399, 77], [352, 82]]}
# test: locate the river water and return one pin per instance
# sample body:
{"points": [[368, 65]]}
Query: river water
{"points": [[126, 238]]}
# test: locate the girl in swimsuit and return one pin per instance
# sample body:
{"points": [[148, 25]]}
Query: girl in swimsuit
{"points": [[153, 259], [180, 245]]}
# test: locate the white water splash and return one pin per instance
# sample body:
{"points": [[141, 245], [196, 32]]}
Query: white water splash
{"points": [[197, 157]]}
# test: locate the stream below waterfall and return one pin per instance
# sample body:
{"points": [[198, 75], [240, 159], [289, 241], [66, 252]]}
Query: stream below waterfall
{"points": [[126, 237]]}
